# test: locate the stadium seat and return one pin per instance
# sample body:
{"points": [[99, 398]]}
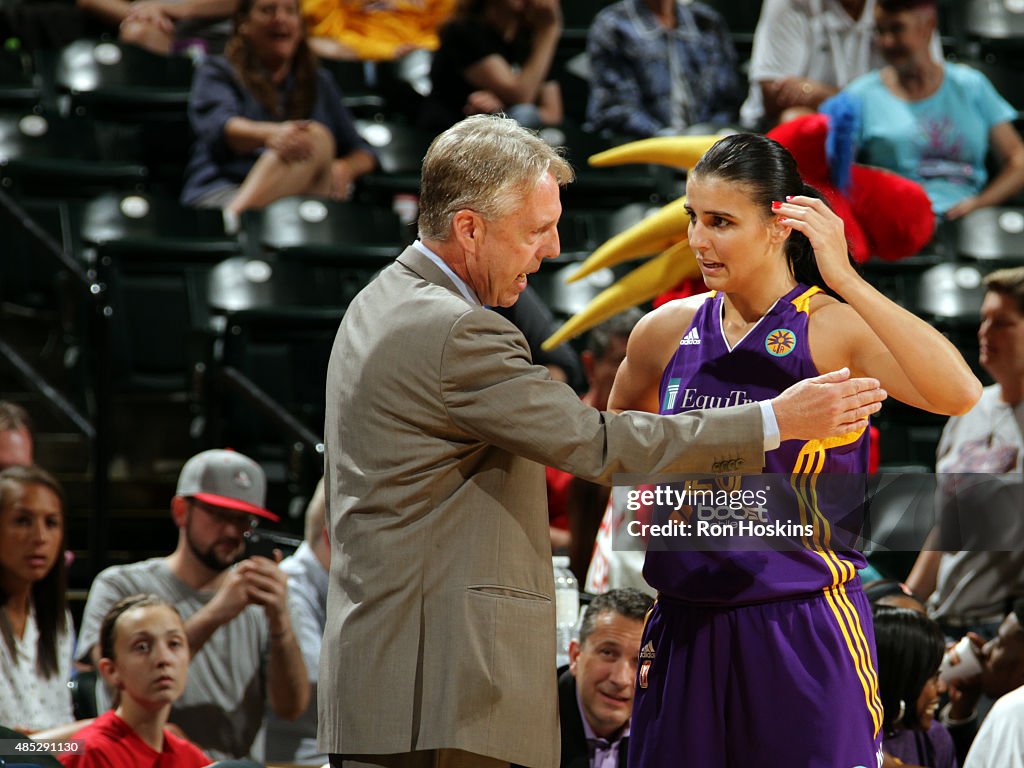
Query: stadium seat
{"points": [[993, 20], [54, 157], [107, 79], [609, 187], [150, 223], [342, 245], [18, 85], [993, 235], [400, 148], [269, 369], [404, 82], [340, 231], [950, 294], [152, 255], [138, 101], [357, 81]]}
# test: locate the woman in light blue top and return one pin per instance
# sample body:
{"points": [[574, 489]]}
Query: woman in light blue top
{"points": [[934, 122]]}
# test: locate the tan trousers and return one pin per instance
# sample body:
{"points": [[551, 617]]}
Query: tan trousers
{"points": [[430, 758]]}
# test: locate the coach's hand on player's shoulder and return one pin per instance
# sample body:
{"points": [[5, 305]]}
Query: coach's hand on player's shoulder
{"points": [[829, 405]]}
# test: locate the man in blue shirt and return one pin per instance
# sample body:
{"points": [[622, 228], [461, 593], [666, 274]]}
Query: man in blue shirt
{"points": [[658, 66]]}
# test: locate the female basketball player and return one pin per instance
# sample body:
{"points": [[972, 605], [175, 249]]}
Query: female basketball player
{"points": [[764, 657]]}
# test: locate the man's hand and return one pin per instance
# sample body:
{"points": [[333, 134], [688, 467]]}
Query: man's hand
{"points": [[231, 599], [267, 585], [827, 406]]}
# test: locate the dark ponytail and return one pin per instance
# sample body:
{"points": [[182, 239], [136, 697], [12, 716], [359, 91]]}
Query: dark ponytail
{"points": [[768, 172]]}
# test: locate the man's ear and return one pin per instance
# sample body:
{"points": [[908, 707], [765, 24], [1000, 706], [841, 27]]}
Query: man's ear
{"points": [[574, 654], [467, 227], [179, 510]]}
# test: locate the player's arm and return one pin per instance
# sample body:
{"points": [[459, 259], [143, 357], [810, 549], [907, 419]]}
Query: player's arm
{"points": [[914, 363], [870, 334], [649, 349]]}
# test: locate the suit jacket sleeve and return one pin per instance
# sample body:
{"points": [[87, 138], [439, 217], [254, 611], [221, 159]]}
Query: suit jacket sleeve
{"points": [[492, 390]]}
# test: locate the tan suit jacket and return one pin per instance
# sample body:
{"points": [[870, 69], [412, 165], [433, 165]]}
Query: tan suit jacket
{"points": [[440, 613]]}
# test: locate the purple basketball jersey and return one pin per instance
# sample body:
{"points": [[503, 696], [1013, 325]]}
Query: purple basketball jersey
{"points": [[818, 484], [737, 636]]}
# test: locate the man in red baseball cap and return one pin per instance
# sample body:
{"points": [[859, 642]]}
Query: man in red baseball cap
{"points": [[244, 651]]}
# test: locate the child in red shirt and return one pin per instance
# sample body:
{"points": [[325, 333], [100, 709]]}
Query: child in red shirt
{"points": [[145, 656]]}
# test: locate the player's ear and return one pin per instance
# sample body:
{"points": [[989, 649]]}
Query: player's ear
{"points": [[778, 233]]}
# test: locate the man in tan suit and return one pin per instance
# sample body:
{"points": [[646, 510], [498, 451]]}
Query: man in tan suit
{"points": [[439, 648]]}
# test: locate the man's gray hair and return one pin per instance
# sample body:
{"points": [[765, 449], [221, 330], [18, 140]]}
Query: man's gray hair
{"points": [[626, 602], [486, 164]]}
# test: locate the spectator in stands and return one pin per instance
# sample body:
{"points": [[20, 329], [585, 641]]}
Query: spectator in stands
{"points": [[166, 26], [144, 655], [970, 590], [375, 30], [1000, 740], [295, 742], [268, 120], [892, 593], [575, 505], [910, 648], [35, 626], [239, 629], [659, 66], [595, 695], [931, 121], [494, 57], [15, 436], [805, 51]]}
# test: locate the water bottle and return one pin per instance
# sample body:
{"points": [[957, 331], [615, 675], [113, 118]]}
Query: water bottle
{"points": [[567, 608]]}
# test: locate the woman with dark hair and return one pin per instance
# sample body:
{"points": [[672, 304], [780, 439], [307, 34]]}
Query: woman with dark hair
{"points": [[910, 647], [144, 656], [741, 624], [268, 120], [494, 56], [35, 626]]}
